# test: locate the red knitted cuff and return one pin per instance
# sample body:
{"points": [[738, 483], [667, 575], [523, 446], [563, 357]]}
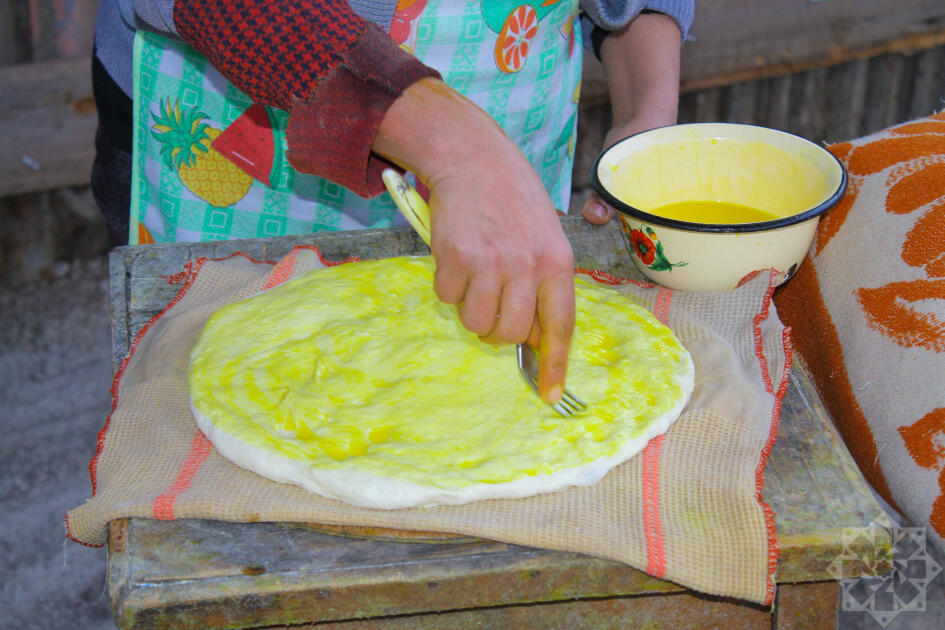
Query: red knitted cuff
{"points": [[272, 50], [330, 133]]}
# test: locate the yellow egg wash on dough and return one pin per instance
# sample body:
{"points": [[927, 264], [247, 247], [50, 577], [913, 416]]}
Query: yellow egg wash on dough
{"points": [[360, 365]]}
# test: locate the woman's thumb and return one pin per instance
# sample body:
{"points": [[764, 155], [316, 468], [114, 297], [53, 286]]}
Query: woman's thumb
{"points": [[596, 211]]}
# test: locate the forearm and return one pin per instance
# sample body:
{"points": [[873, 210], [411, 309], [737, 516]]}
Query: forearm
{"points": [[641, 64], [432, 126]]}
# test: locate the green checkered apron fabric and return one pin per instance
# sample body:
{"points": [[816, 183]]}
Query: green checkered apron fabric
{"points": [[519, 62]]}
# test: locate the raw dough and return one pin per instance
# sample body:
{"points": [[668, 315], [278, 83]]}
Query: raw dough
{"points": [[356, 383]]}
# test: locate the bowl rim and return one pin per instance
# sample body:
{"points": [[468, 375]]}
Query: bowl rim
{"points": [[759, 226]]}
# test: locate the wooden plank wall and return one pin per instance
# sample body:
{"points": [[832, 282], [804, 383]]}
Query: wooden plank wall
{"points": [[43, 227], [825, 70]]}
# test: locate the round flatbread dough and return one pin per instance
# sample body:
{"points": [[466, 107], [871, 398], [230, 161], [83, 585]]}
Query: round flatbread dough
{"points": [[355, 382]]}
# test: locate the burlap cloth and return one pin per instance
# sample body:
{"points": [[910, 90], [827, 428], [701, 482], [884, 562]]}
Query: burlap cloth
{"points": [[687, 509]]}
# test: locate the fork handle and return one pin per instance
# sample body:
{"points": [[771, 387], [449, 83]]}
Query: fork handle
{"points": [[409, 202]]}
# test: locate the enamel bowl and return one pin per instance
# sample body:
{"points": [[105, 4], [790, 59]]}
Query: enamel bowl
{"points": [[788, 180]]}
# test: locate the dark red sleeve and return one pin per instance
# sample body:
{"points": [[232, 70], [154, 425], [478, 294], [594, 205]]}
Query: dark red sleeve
{"points": [[332, 70]]}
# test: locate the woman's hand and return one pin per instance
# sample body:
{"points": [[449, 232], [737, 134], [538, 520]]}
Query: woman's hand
{"points": [[502, 256]]}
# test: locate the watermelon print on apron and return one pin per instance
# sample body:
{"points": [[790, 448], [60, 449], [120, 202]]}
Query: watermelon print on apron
{"points": [[209, 163]]}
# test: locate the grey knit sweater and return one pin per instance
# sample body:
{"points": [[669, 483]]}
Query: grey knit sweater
{"points": [[117, 21]]}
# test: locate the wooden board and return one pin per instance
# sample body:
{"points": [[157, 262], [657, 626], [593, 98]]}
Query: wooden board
{"points": [[740, 40], [47, 122], [732, 41], [189, 573]]}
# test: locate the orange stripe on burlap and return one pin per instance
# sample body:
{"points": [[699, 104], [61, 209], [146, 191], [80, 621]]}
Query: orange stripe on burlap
{"points": [[282, 271], [200, 446], [801, 306], [188, 276], [652, 520], [199, 452], [661, 308], [284, 268], [652, 523]]}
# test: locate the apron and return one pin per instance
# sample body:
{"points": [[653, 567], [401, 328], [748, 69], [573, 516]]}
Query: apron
{"points": [[209, 163]]}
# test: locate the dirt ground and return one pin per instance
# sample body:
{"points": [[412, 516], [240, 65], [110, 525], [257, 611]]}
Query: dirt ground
{"points": [[55, 376]]}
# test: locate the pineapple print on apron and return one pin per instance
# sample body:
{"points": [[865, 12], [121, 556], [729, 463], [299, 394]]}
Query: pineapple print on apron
{"points": [[209, 163]]}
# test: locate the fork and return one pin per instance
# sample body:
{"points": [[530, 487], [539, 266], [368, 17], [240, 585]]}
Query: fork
{"points": [[568, 404], [417, 212]]}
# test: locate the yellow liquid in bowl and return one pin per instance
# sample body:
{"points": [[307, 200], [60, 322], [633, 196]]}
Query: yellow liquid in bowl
{"points": [[713, 212]]}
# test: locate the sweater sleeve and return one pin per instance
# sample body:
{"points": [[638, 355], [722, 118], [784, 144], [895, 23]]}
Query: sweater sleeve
{"points": [[611, 15], [683, 11], [333, 71]]}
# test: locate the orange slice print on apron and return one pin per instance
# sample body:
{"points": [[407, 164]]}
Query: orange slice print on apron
{"points": [[511, 48]]}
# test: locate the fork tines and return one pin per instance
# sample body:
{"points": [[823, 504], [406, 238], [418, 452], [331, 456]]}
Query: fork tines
{"points": [[569, 404]]}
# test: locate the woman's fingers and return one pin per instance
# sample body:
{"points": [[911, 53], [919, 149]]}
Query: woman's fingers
{"points": [[516, 314], [521, 312], [534, 335], [479, 310], [556, 314], [450, 281]]}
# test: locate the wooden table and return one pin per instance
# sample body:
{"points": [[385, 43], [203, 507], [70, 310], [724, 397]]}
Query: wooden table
{"points": [[197, 574]]}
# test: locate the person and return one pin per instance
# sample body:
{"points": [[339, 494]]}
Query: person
{"points": [[236, 118]]}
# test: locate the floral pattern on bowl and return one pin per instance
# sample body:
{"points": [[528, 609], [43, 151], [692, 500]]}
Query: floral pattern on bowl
{"points": [[646, 246]]}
